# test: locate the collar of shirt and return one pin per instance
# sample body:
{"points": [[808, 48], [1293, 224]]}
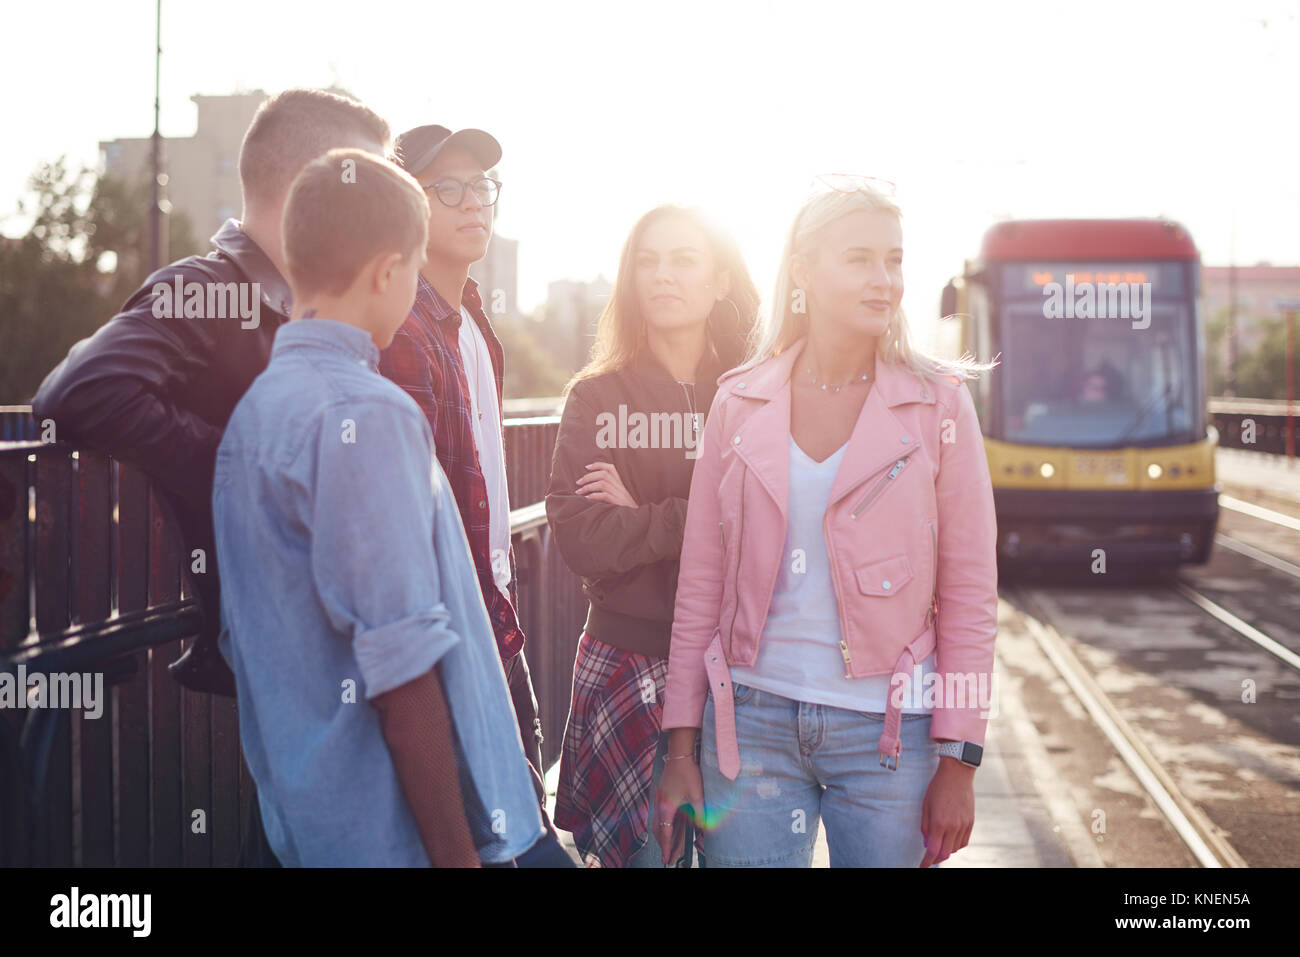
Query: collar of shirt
{"points": [[331, 335], [236, 244], [430, 301]]}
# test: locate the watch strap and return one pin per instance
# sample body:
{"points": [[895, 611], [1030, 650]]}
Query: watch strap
{"points": [[967, 752]]}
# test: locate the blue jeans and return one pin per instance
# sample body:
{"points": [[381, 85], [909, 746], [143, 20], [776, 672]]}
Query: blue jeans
{"points": [[547, 852], [651, 855], [801, 763]]}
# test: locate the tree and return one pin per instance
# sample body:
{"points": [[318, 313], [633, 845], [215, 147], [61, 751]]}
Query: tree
{"points": [[1216, 334], [52, 292], [1261, 371], [530, 371]]}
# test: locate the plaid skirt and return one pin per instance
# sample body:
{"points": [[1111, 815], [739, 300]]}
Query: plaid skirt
{"points": [[607, 761]]}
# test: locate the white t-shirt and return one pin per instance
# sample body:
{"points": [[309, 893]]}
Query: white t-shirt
{"points": [[799, 653], [482, 383]]}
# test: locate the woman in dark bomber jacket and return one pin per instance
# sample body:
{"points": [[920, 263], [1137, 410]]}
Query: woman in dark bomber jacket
{"points": [[681, 314]]}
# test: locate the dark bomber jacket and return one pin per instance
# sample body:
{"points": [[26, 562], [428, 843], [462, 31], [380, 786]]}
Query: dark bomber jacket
{"points": [[627, 557], [157, 392]]}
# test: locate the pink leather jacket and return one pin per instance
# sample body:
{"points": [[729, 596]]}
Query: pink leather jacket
{"points": [[910, 532]]}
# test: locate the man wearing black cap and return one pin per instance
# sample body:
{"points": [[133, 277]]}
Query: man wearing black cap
{"points": [[449, 360]]}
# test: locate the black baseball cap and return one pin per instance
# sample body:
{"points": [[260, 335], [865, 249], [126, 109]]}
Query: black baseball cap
{"points": [[418, 147]]}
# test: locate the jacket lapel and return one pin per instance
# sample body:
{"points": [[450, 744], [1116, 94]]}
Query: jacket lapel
{"points": [[878, 439], [769, 460]]}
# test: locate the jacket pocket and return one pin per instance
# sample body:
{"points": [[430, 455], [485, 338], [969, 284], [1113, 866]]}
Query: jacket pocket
{"points": [[884, 578]]}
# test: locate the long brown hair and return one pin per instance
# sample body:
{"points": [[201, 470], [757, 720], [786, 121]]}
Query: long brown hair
{"points": [[621, 330]]}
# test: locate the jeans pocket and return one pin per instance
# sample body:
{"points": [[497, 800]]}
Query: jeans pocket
{"points": [[742, 694]]}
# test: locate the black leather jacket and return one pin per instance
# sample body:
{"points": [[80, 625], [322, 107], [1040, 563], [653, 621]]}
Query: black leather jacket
{"points": [[157, 392]]}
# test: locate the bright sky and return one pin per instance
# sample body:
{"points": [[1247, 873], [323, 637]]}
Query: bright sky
{"points": [[976, 110]]}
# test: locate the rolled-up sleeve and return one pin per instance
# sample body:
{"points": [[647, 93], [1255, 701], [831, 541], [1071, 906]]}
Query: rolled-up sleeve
{"points": [[372, 539]]}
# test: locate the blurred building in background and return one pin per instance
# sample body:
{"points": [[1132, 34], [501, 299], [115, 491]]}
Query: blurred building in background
{"points": [[1258, 287], [203, 182], [572, 309], [497, 275], [202, 170]]}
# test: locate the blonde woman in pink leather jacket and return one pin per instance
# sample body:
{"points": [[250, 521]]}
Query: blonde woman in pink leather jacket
{"points": [[831, 654]]}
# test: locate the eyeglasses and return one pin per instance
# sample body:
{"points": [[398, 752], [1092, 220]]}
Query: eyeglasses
{"points": [[451, 191], [852, 182]]}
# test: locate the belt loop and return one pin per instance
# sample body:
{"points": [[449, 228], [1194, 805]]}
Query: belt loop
{"points": [[890, 747]]}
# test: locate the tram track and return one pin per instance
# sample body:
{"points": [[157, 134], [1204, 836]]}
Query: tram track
{"points": [[1258, 554], [1240, 626], [1172, 715], [1201, 836], [1220, 612]]}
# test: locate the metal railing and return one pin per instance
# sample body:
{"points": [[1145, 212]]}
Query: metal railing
{"points": [[1266, 421], [91, 582]]}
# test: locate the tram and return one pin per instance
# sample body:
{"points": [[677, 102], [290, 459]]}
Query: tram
{"points": [[1095, 422]]}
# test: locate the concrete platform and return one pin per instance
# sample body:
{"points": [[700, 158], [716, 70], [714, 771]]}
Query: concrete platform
{"points": [[1272, 481]]}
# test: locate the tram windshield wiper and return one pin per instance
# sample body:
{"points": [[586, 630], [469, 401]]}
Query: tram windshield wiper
{"points": [[1156, 402]]}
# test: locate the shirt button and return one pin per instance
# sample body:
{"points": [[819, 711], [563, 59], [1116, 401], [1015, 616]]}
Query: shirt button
{"points": [[885, 584], [736, 440]]}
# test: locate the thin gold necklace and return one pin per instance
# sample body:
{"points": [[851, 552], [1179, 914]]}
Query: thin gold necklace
{"points": [[827, 387]]}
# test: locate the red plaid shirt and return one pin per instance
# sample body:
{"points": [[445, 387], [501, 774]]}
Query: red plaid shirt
{"points": [[424, 359]]}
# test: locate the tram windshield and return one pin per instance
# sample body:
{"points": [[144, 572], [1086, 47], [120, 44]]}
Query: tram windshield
{"points": [[1097, 356]]}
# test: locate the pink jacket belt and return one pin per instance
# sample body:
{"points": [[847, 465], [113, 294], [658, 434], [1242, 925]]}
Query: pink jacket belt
{"points": [[890, 746]]}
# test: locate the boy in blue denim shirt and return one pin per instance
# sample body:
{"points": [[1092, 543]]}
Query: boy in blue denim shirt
{"points": [[373, 708]]}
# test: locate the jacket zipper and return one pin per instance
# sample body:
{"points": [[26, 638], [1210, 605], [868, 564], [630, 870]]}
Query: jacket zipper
{"points": [[835, 581], [933, 611], [695, 417], [735, 580], [870, 497], [880, 486], [844, 650]]}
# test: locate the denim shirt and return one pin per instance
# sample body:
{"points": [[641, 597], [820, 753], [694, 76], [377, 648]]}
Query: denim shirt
{"points": [[346, 573]]}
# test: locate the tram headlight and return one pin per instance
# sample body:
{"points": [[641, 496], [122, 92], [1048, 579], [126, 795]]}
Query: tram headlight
{"points": [[1154, 470], [1046, 470]]}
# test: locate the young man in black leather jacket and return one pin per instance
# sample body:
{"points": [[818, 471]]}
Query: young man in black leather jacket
{"points": [[156, 384]]}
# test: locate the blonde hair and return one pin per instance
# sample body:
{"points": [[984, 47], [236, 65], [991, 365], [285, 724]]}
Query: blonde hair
{"points": [[344, 209], [785, 326]]}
